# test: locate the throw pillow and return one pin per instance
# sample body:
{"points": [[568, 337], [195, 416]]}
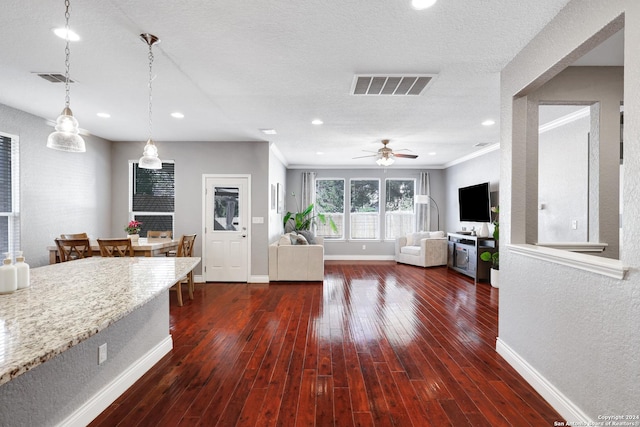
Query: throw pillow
{"points": [[311, 239], [419, 236], [410, 239], [285, 239], [298, 239], [436, 234]]}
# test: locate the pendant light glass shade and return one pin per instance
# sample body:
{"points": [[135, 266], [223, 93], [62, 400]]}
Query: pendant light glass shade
{"points": [[149, 159], [66, 137]]}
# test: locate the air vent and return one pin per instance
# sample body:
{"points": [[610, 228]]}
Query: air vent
{"points": [[391, 85], [481, 144], [53, 77]]}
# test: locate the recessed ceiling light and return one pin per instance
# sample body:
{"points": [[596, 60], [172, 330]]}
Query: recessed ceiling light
{"points": [[268, 131], [104, 115], [433, 153], [422, 4], [319, 153], [317, 122], [63, 34], [177, 115], [489, 122]]}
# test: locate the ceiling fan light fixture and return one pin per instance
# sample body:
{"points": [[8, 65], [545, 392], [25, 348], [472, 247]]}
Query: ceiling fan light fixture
{"points": [[385, 161]]}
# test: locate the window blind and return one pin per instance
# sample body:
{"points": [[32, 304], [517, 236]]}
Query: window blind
{"points": [[153, 189]]}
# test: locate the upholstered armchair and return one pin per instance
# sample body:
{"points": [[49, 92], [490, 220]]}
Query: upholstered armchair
{"points": [[424, 249]]}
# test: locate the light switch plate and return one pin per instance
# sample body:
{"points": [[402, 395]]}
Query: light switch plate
{"points": [[102, 354]]}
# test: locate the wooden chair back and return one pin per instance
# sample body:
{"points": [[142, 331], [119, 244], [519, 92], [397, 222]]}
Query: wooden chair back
{"points": [[185, 248], [115, 247], [152, 234], [74, 236], [71, 249]]}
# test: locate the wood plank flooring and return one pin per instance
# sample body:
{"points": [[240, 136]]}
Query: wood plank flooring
{"points": [[377, 344]]}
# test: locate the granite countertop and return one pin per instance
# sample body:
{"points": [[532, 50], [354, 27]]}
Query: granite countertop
{"points": [[69, 302]]}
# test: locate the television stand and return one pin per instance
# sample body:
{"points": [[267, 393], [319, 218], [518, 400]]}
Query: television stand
{"points": [[464, 255]]}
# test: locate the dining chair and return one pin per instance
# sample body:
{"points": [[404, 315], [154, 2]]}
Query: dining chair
{"points": [[185, 249], [72, 249], [115, 247], [74, 236], [152, 234]]}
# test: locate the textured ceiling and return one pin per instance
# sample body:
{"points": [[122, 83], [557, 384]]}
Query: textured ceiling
{"points": [[235, 67]]}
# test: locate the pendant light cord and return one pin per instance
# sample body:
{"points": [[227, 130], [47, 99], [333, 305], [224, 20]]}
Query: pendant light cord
{"points": [[67, 51], [150, 87]]}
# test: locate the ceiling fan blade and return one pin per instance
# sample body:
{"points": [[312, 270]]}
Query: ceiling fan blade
{"points": [[362, 157], [408, 156]]}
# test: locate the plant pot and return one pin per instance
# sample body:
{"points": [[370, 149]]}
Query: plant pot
{"points": [[495, 278], [134, 238]]}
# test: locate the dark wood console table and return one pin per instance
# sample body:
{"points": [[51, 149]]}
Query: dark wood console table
{"points": [[464, 255]]}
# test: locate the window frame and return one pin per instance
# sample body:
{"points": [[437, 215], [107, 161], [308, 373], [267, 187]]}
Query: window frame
{"points": [[388, 212], [135, 214], [13, 216], [329, 214], [352, 214]]}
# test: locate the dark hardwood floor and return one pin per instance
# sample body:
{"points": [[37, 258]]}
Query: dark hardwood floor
{"points": [[378, 344]]}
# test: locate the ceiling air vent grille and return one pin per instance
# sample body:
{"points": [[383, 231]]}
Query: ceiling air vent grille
{"points": [[391, 85], [53, 77]]}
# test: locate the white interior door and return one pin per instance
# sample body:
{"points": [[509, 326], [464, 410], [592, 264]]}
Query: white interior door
{"points": [[226, 231]]}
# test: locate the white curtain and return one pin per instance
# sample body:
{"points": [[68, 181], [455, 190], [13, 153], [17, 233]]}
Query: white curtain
{"points": [[423, 211], [308, 194]]}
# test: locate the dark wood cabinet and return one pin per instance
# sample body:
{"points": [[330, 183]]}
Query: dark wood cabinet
{"points": [[464, 255]]}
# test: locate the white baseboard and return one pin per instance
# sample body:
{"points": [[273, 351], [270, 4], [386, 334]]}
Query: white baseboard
{"points": [[198, 278], [359, 258], [109, 393], [259, 279], [567, 409]]}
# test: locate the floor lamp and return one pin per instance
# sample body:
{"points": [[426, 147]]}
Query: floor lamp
{"points": [[425, 199]]}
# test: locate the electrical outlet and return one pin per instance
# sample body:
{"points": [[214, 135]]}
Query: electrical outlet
{"points": [[102, 354], [364, 247], [574, 224]]}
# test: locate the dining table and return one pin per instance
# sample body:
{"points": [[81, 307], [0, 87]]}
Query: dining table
{"points": [[143, 247]]}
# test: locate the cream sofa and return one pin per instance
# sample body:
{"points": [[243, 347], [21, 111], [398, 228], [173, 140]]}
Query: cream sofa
{"points": [[424, 249], [296, 262]]}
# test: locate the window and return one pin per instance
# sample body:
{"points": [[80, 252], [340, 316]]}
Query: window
{"points": [[330, 203], [152, 199], [9, 191], [399, 214], [365, 209]]}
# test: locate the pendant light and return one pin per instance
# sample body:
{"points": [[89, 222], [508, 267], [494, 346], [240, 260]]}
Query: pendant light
{"points": [[66, 137], [149, 159]]}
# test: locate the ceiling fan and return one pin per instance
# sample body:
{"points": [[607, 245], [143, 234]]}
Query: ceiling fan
{"points": [[386, 155]]}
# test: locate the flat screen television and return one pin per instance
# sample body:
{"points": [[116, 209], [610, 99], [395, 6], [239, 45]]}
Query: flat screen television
{"points": [[474, 202]]}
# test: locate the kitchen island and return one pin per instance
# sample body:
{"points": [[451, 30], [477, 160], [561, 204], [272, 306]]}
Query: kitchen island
{"points": [[51, 332]]}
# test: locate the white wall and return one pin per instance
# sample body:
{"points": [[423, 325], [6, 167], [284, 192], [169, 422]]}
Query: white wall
{"points": [[577, 331], [59, 192], [563, 182], [192, 160]]}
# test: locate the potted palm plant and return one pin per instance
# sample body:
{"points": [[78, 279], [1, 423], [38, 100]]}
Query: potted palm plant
{"points": [[305, 219], [494, 256]]}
